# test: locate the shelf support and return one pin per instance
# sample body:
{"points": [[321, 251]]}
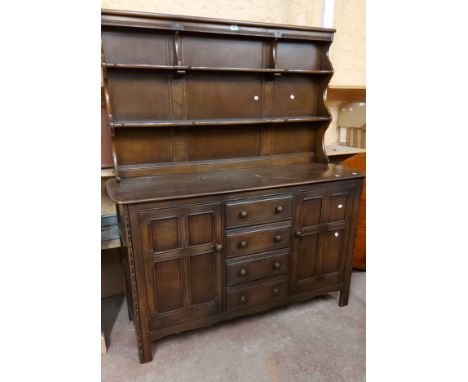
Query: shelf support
{"points": [[274, 59], [110, 119], [179, 73]]}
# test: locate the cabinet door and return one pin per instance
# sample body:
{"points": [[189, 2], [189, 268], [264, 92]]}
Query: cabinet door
{"points": [[182, 266], [321, 233]]}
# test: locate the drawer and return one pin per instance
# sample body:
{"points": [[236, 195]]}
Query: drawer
{"points": [[257, 267], [245, 212], [257, 293], [258, 239]]}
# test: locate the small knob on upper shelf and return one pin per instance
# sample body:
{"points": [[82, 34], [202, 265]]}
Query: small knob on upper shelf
{"points": [[279, 209], [340, 206], [243, 214], [243, 244]]}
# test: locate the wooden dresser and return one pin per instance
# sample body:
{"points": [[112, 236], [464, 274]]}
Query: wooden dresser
{"points": [[227, 203]]}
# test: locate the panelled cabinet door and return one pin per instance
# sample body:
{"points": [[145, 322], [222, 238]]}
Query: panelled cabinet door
{"points": [[321, 234], [182, 265], [307, 243]]}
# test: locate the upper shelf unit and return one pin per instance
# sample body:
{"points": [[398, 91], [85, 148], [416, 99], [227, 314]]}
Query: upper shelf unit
{"points": [[185, 94]]}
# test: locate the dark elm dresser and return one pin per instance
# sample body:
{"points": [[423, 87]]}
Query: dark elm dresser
{"points": [[227, 202]]}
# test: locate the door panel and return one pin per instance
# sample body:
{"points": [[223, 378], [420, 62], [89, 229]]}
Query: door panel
{"points": [[182, 267], [308, 255], [169, 285], [202, 278], [165, 234], [311, 211], [333, 242], [337, 207], [200, 229]]}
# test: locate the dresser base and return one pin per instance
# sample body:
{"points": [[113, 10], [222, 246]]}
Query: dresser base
{"points": [[147, 346]]}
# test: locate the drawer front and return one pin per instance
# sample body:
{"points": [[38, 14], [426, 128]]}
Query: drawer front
{"points": [[258, 239], [245, 212], [257, 294], [257, 267]]}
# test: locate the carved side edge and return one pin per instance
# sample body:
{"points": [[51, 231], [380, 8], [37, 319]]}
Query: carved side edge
{"points": [[110, 119], [322, 109], [131, 268], [344, 296]]}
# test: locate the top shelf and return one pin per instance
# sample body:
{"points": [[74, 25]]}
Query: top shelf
{"points": [[215, 69]]}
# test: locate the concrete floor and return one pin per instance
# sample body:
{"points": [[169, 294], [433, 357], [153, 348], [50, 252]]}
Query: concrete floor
{"points": [[315, 341]]}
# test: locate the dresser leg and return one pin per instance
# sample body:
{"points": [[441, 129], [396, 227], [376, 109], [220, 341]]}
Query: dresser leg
{"points": [[344, 297], [145, 352], [129, 308]]}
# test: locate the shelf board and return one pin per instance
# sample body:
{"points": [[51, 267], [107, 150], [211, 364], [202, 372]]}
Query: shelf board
{"points": [[215, 69], [214, 122], [337, 149]]}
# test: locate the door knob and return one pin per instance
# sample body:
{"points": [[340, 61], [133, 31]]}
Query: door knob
{"points": [[219, 247]]}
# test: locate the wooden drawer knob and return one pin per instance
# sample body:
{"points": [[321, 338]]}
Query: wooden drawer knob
{"points": [[243, 214], [276, 291], [277, 265], [278, 238], [243, 272], [279, 209], [219, 247], [243, 244], [243, 299]]}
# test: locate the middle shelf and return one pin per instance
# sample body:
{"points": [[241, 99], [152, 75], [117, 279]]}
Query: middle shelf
{"points": [[220, 122], [277, 71]]}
